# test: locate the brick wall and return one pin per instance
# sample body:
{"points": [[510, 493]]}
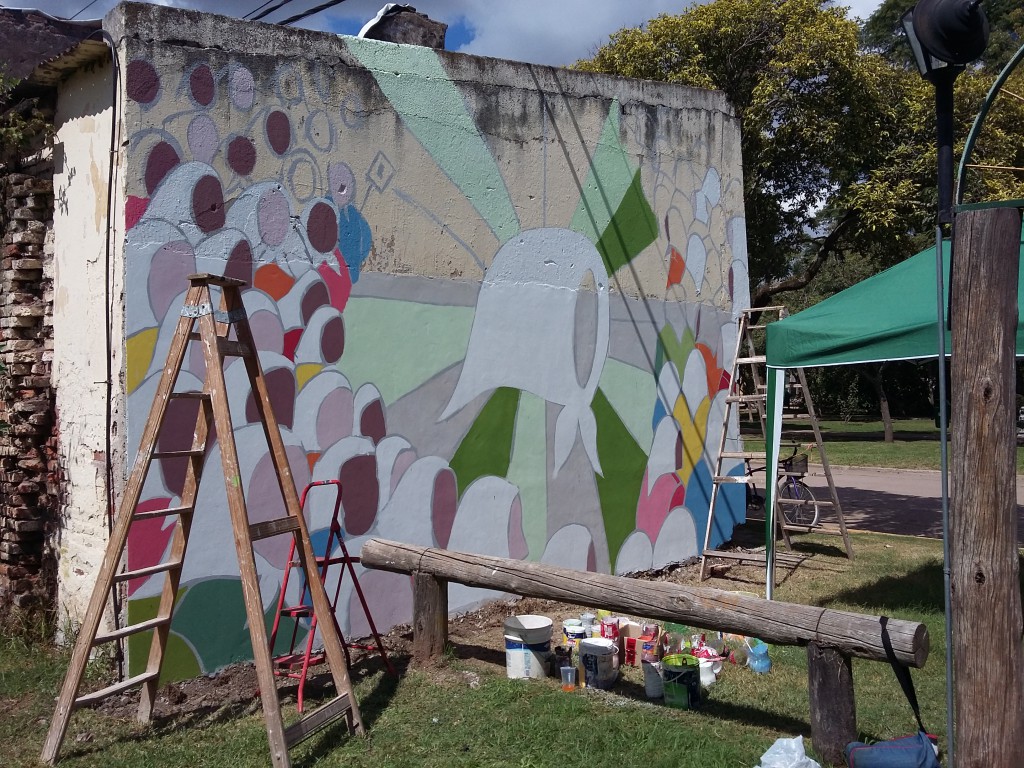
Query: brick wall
{"points": [[29, 473]]}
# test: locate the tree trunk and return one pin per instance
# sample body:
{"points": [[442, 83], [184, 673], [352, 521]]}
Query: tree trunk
{"points": [[986, 598], [876, 377]]}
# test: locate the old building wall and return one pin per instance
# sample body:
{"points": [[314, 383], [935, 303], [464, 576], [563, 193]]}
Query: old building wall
{"points": [[496, 300]]}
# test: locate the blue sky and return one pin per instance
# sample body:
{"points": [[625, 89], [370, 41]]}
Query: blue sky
{"points": [[556, 32]]}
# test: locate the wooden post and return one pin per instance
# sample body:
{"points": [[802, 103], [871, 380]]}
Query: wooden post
{"points": [[430, 617], [986, 602], [833, 715]]}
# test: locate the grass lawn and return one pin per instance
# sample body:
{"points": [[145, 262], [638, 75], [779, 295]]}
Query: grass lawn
{"points": [[466, 713], [861, 443]]}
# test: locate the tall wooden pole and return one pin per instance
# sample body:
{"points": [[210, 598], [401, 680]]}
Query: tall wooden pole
{"points": [[986, 600]]}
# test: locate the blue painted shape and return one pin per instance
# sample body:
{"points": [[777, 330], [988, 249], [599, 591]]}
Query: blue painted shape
{"points": [[354, 239]]}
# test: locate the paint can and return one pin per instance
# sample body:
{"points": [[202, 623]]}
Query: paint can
{"points": [[600, 659], [527, 646], [681, 680], [573, 631], [654, 687]]}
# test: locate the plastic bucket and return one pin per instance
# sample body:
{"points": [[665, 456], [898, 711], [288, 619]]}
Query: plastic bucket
{"points": [[681, 678], [600, 659], [527, 646], [654, 687], [573, 631]]}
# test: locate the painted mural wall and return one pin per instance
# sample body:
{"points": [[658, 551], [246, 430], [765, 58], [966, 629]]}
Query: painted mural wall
{"points": [[496, 301]]}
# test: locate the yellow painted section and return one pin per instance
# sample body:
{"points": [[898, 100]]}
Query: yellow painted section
{"points": [[306, 371], [140, 354], [694, 430]]}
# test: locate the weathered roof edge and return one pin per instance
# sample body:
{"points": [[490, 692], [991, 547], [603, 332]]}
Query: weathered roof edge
{"points": [[43, 49]]}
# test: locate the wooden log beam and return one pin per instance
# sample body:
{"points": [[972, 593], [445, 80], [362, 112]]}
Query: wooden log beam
{"points": [[986, 599], [853, 634], [833, 714]]}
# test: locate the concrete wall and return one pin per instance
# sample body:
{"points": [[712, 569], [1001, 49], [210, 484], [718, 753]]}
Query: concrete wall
{"points": [[497, 300], [81, 315]]}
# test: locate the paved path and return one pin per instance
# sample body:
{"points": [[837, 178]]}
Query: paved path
{"points": [[899, 501]]}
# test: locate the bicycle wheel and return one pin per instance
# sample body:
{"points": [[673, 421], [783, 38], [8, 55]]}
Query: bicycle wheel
{"points": [[797, 503]]}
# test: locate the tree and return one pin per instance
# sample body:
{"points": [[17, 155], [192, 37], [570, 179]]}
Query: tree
{"points": [[23, 125], [817, 117]]}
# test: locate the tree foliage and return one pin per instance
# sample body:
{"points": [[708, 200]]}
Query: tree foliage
{"points": [[23, 125]]}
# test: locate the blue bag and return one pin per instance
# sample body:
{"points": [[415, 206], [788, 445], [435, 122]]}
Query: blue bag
{"points": [[909, 752]]}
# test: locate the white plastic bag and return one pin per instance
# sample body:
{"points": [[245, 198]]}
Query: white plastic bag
{"points": [[787, 753]]}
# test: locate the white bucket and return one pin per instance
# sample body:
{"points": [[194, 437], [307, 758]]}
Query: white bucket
{"points": [[600, 659], [527, 646], [654, 686]]}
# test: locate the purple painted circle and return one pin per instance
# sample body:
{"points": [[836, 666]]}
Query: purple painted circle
{"points": [[322, 227], [242, 155], [342, 182], [208, 204], [142, 82], [203, 138], [279, 131], [243, 88], [162, 158], [272, 217], [332, 340], [316, 297], [201, 83]]}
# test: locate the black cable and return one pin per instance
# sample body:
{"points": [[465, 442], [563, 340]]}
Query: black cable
{"points": [[257, 9], [87, 6], [270, 10], [311, 12]]}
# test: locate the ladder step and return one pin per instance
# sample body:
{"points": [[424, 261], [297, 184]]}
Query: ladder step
{"points": [[745, 399], [317, 719], [162, 513], [756, 360], [744, 455], [196, 453], [745, 479], [131, 629], [292, 660], [273, 528], [231, 348], [297, 611], [110, 690], [190, 395], [149, 571]]}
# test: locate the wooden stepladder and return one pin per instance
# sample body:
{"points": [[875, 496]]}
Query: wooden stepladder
{"points": [[747, 358], [213, 333]]}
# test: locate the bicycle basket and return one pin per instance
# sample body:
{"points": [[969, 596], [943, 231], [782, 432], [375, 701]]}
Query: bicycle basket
{"points": [[798, 464]]}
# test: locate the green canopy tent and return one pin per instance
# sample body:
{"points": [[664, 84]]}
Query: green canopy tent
{"points": [[890, 316]]}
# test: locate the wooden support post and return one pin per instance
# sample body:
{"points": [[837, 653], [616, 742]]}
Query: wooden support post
{"points": [[986, 600], [833, 715], [430, 617]]}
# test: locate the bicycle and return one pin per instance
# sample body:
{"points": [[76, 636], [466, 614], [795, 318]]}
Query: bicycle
{"points": [[796, 500]]}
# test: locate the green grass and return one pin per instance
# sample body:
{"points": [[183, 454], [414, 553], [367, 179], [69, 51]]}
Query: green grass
{"points": [[862, 444], [434, 717]]}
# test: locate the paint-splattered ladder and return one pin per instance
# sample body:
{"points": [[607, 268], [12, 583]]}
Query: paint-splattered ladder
{"points": [[745, 357], [213, 334]]}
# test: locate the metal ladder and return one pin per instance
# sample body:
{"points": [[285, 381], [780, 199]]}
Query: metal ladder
{"points": [[757, 399], [214, 332], [285, 664]]}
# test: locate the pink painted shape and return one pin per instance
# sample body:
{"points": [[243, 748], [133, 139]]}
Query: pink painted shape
{"points": [[168, 272], [338, 285], [147, 541], [334, 417], [402, 463], [656, 502], [267, 331], [281, 388], [517, 547], [176, 435], [134, 208], [444, 505]]}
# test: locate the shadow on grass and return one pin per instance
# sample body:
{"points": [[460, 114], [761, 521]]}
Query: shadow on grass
{"points": [[921, 589]]}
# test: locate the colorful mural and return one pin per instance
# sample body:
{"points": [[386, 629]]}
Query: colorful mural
{"points": [[507, 346]]}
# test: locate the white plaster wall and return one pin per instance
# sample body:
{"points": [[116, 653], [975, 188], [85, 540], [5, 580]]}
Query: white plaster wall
{"points": [[80, 318]]}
